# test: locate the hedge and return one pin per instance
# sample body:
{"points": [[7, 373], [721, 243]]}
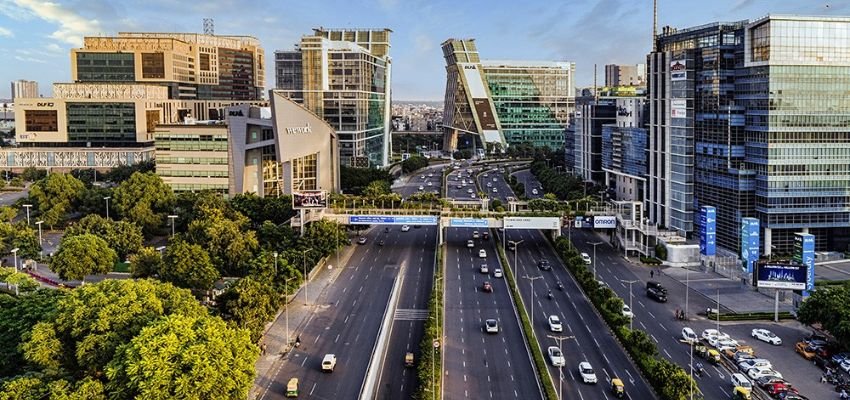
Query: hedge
{"points": [[754, 316], [533, 344], [433, 331], [669, 380]]}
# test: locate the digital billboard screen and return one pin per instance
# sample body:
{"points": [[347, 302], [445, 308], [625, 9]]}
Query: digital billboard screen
{"points": [[781, 276]]}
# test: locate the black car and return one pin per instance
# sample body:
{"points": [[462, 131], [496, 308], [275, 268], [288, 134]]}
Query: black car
{"points": [[655, 291], [544, 265]]}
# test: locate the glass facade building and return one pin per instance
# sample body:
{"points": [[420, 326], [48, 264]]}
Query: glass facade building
{"points": [[192, 157], [344, 77], [532, 100], [753, 119], [98, 124]]}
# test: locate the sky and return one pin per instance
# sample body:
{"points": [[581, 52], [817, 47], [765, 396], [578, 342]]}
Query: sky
{"points": [[36, 35]]}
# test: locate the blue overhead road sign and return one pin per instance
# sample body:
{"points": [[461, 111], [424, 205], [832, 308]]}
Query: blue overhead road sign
{"points": [[393, 219], [468, 223]]}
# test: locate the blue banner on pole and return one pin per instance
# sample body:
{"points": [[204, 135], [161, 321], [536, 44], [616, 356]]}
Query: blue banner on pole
{"points": [[749, 242], [393, 219], [804, 253], [708, 230]]}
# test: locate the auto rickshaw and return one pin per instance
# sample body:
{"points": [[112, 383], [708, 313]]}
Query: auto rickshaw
{"points": [[292, 388], [700, 349], [741, 393], [713, 356], [617, 388], [408, 359]]}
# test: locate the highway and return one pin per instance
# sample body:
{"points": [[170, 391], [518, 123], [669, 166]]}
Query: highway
{"points": [[494, 178], [457, 178], [410, 184], [348, 315], [479, 365], [529, 182]]}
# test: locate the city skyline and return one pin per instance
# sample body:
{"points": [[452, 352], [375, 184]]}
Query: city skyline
{"points": [[38, 34]]}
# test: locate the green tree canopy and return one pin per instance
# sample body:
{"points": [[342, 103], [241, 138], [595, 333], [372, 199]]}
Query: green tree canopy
{"points": [[229, 243], [83, 255], [185, 357], [147, 262], [188, 266], [7, 213], [355, 180], [413, 163], [377, 189], [17, 317], [249, 304], [55, 196], [93, 321], [124, 237], [21, 236], [260, 209], [828, 306], [144, 199]]}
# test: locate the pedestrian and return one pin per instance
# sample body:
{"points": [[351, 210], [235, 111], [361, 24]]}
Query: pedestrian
{"points": [[823, 378], [651, 273], [263, 348]]}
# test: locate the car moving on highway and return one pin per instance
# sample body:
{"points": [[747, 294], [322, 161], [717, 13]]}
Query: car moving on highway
{"points": [[555, 324], [586, 372], [766, 336], [556, 358], [491, 326]]}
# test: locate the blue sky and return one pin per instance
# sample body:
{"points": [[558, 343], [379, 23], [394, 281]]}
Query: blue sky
{"points": [[35, 35]]}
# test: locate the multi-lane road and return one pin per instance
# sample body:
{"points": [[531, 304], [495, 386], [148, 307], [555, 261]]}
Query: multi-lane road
{"points": [[480, 365]]}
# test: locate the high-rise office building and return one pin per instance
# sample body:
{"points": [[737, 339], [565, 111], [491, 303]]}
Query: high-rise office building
{"points": [[750, 117], [505, 102], [590, 115], [343, 76], [625, 75], [24, 89], [624, 150]]}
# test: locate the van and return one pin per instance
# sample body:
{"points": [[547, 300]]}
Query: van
{"points": [[329, 363], [689, 336], [739, 379]]}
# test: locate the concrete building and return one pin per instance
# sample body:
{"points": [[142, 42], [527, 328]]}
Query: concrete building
{"points": [[281, 150], [624, 150], [193, 156], [751, 117], [591, 114], [625, 75], [498, 103], [24, 89], [343, 76]]}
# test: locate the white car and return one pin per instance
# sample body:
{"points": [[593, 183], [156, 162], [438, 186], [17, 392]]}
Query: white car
{"points": [[726, 344], [429, 184], [470, 244], [555, 356], [586, 258], [495, 180], [741, 380], [688, 335], [534, 191], [766, 336], [475, 235], [586, 372], [421, 187], [495, 190], [491, 326], [761, 363], [405, 228], [555, 324], [627, 312], [472, 196], [484, 269], [482, 253], [489, 184], [709, 333], [497, 273], [845, 365], [468, 190], [755, 373]]}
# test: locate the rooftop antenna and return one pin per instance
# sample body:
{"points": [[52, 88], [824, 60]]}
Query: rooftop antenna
{"points": [[654, 23], [595, 92], [209, 26]]}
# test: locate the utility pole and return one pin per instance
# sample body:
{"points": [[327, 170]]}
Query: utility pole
{"points": [[532, 279], [594, 244], [27, 206], [560, 339], [40, 250], [631, 297], [173, 218], [107, 203]]}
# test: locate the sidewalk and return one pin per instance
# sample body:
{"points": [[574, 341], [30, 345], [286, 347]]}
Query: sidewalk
{"points": [[275, 337]]}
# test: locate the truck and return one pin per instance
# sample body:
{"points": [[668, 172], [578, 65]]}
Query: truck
{"points": [[329, 363]]}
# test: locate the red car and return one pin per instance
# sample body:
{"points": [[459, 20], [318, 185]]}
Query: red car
{"points": [[774, 389], [487, 287]]}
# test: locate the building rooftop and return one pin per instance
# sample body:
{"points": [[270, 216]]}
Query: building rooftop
{"points": [[526, 63]]}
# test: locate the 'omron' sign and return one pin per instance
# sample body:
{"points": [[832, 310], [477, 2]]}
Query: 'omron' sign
{"points": [[300, 130]]}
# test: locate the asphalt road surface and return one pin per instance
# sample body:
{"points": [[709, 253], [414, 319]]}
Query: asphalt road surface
{"points": [[412, 183], [462, 178], [348, 315], [479, 365], [529, 182]]}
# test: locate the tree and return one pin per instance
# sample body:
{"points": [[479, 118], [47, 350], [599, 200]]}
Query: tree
{"points": [[413, 163], [828, 306], [146, 262], [93, 321], [17, 317], [249, 304], [230, 246], [354, 180], [32, 174], [123, 172], [144, 199], [92, 201], [324, 237], [124, 237], [82, 255], [7, 213], [55, 196], [376, 189], [186, 357], [188, 266], [16, 182], [21, 236]]}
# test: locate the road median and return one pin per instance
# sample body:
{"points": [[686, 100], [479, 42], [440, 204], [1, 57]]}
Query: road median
{"points": [[430, 365]]}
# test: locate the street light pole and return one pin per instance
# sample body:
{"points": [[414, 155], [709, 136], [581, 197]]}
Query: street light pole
{"points": [[532, 279], [107, 204], [306, 280], [15, 253], [286, 309], [173, 219], [631, 297], [560, 339], [40, 250], [594, 244], [27, 206]]}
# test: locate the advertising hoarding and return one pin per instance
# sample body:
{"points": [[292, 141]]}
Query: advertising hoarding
{"points": [[468, 223], [532, 223], [781, 276], [749, 242], [678, 70], [708, 230], [393, 219], [804, 253], [309, 199], [583, 222], [604, 222], [678, 108]]}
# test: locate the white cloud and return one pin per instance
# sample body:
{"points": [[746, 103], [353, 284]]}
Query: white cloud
{"points": [[72, 27], [54, 48], [5, 32], [30, 59]]}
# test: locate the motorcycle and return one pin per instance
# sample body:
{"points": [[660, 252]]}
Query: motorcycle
{"points": [[699, 370], [560, 285], [550, 295]]}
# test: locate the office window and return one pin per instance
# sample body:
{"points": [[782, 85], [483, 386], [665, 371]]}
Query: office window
{"points": [[153, 66], [41, 120]]}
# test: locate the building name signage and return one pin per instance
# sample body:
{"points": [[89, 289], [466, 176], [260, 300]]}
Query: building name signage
{"points": [[44, 104], [623, 112], [469, 66], [299, 130], [236, 113]]}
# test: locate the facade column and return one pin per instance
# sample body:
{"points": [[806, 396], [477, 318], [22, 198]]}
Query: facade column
{"points": [[768, 241]]}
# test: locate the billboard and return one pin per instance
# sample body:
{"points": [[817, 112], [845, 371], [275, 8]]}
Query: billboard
{"points": [[468, 223], [707, 230], [678, 70], [781, 276], [532, 223], [804, 253], [310, 199], [393, 219], [604, 222], [749, 242], [678, 108], [583, 222]]}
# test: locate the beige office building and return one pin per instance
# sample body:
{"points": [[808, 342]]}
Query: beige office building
{"points": [[280, 150], [192, 156]]}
